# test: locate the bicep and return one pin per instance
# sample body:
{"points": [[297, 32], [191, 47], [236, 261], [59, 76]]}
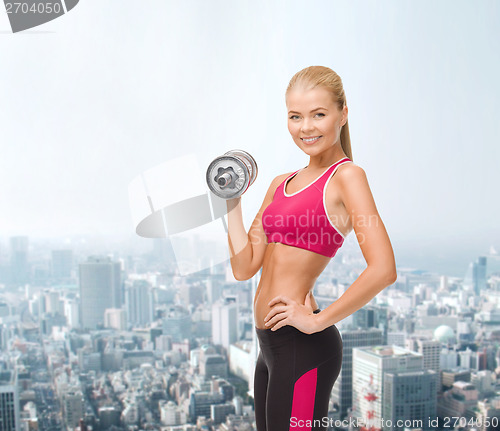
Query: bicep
{"points": [[367, 224]]}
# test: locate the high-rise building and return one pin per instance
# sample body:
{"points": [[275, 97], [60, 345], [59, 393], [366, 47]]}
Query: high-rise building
{"points": [[351, 338], [480, 280], [100, 288], [19, 269], [177, 323], [475, 277], [115, 318], [9, 402], [3, 337], [62, 264], [4, 309], [459, 401], [225, 323], [409, 396], [51, 302], [72, 408], [213, 290], [139, 302], [368, 367], [171, 414], [72, 312], [430, 350]]}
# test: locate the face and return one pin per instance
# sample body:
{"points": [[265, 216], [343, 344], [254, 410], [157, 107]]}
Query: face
{"points": [[312, 114]]}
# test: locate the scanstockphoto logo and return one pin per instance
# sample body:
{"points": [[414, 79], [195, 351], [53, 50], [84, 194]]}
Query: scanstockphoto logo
{"points": [[31, 13]]}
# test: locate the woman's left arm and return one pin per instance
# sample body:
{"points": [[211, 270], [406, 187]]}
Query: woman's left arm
{"points": [[373, 241]]}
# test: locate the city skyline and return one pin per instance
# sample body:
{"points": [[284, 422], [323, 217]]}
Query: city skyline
{"points": [[104, 329]]}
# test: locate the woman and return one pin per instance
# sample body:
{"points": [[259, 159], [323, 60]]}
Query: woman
{"points": [[302, 223]]}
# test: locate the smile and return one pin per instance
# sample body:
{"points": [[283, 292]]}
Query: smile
{"points": [[311, 140]]}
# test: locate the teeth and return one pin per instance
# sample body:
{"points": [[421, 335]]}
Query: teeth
{"points": [[311, 139]]}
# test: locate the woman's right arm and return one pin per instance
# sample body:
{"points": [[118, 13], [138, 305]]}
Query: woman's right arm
{"points": [[247, 250]]}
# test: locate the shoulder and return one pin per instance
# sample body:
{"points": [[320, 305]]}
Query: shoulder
{"points": [[271, 191], [349, 172], [351, 180], [275, 183], [354, 188], [279, 179], [282, 177]]}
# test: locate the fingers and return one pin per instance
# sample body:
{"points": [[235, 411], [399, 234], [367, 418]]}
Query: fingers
{"points": [[276, 318], [280, 324], [274, 311], [279, 298], [277, 321]]}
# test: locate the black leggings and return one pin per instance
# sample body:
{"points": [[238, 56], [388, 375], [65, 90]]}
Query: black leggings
{"points": [[294, 376]]}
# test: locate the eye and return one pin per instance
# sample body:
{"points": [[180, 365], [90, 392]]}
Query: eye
{"points": [[320, 113], [291, 117]]}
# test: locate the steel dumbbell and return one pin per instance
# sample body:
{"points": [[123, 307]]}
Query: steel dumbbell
{"points": [[230, 175]]}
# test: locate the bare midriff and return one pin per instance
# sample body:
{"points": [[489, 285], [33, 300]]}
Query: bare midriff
{"points": [[289, 271]]}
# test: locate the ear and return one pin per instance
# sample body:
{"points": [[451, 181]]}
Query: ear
{"points": [[344, 115]]}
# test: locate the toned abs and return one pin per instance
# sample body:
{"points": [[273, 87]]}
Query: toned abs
{"points": [[293, 271]]}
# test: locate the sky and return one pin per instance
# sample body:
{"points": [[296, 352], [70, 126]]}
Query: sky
{"points": [[93, 99]]}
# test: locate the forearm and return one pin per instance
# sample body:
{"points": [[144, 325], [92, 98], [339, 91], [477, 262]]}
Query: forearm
{"points": [[239, 245], [369, 283]]}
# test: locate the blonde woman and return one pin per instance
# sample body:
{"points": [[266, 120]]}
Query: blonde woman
{"points": [[303, 221]]}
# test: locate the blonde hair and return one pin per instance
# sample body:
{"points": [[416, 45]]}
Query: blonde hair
{"points": [[321, 76]]}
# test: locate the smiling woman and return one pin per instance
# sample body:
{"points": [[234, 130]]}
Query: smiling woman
{"points": [[300, 226]]}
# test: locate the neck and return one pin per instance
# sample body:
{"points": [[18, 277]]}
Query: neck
{"points": [[326, 158]]}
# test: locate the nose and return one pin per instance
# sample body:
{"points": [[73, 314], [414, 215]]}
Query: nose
{"points": [[306, 126]]}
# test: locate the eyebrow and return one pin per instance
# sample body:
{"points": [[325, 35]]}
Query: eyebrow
{"points": [[317, 109]]}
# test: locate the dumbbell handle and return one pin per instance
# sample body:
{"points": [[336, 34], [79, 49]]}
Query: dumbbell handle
{"points": [[224, 180]]}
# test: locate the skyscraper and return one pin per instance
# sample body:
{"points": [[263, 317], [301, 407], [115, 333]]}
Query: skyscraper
{"points": [[72, 402], [351, 338], [177, 323], [475, 277], [480, 280], [100, 288], [225, 322], [139, 302], [410, 396], [19, 271], [9, 402], [62, 264], [369, 367]]}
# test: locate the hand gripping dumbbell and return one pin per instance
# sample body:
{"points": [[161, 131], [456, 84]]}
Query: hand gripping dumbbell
{"points": [[230, 175]]}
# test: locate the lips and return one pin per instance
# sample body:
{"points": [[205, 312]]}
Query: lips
{"points": [[311, 139]]}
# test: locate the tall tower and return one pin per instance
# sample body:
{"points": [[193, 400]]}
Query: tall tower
{"points": [[9, 402], [225, 322], [475, 277], [19, 260], [370, 364], [177, 323], [480, 281], [100, 288], [351, 338], [62, 264], [139, 301]]}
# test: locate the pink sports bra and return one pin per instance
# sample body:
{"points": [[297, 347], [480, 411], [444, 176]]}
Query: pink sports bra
{"points": [[300, 219]]}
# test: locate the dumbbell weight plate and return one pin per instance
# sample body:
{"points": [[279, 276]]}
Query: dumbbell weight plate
{"points": [[249, 162], [228, 166]]}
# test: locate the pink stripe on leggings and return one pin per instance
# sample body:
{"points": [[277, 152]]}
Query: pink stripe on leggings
{"points": [[304, 392]]}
